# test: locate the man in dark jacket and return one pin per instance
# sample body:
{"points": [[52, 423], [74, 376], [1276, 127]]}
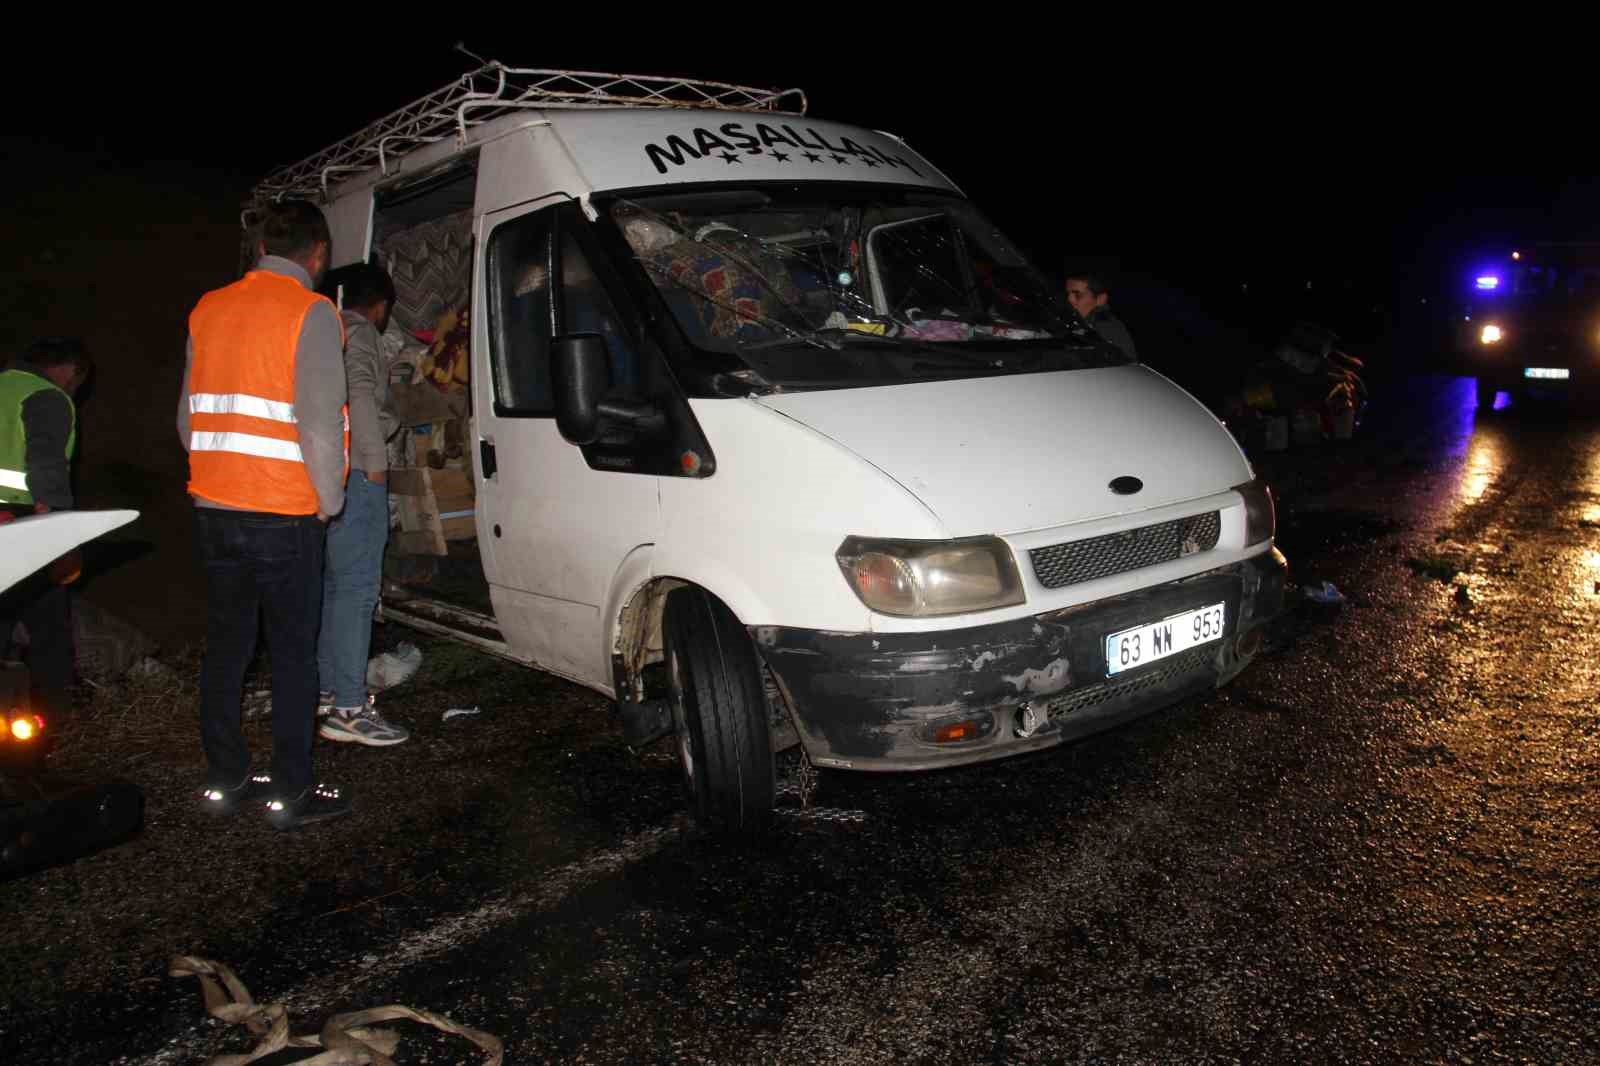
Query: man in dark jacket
{"points": [[38, 433], [1090, 297]]}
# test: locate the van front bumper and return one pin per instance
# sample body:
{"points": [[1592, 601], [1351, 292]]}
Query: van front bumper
{"points": [[880, 701]]}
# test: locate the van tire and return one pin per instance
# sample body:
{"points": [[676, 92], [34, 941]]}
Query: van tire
{"points": [[719, 712]]}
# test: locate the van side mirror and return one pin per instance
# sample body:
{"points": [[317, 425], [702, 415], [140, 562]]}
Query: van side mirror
{"points": [[580, 372]]}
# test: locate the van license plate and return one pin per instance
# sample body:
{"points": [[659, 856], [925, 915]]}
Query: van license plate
{"points": [[1157, 640]]}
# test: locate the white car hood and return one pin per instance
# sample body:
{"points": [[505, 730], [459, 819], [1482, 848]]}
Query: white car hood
{"points": [[30, 543], [1030, 451]]}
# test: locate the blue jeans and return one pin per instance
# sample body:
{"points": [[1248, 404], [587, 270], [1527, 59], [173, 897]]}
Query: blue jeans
{"points": [[259, 567], [354, 570]]}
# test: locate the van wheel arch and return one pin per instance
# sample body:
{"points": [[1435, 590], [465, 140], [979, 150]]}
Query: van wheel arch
{"points": [[638, 659]]}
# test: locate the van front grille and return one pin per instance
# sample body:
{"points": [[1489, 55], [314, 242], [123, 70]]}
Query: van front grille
{"points": [[1077, 561]]}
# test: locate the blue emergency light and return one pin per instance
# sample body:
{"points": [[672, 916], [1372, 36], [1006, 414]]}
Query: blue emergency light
{"points": [[1488, 282]]}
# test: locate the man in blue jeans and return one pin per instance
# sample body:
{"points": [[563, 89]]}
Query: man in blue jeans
{"points": [[356, 538]]}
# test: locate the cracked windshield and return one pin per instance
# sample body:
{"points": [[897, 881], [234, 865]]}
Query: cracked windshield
{"points": [[753, 271]]}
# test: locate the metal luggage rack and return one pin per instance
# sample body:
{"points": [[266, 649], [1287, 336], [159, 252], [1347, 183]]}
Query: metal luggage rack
{"points": [[494, 90]]}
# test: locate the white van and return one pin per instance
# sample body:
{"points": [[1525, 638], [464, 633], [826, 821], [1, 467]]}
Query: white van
{"points": [[774, 439]]}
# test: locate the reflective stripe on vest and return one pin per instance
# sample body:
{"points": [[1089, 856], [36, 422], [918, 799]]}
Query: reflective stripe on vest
{"points": [[17, 387], [245, 444], [240, 403]]}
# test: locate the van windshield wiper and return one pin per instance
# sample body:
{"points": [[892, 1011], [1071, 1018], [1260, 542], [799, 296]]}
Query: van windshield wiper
{"points": [[837, 338], [928, 355]]}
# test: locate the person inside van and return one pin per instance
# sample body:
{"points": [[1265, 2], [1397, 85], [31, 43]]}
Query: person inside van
{"points": [[1090, 296]]}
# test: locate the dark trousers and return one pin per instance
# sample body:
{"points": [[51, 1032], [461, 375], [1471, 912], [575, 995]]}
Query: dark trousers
{"points": [[260, 567], [45, 608]]}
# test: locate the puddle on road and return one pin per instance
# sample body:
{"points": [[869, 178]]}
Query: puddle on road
{"points": [[1483, 467], [1588, 574]]}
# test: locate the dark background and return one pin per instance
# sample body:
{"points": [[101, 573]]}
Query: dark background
{"points": [[1223, 167], [1229, 177]]}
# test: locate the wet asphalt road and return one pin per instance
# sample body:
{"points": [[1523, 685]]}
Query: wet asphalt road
{"points": [[1379, 845]]}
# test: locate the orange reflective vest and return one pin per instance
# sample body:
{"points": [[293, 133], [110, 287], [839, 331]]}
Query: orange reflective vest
{"points": [[244, 448]]}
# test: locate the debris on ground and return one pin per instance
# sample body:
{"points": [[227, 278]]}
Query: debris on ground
{"points": [[152, 669], [349, 1039], [384, 672], [1447, 559], [1325, 593], [456, 712], [393, 667]]}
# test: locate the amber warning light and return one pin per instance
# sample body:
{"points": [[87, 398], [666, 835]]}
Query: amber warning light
{"points": [[26, 727]]}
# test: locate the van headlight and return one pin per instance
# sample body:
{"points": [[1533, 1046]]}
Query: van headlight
{"points": [[1260, 517], [921, 578], [1491, 334]]}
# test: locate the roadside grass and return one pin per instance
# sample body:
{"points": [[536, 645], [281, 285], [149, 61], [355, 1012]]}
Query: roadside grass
{"points": [[149, 713]]}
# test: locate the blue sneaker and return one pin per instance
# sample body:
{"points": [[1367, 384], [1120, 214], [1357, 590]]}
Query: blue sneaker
{"points": [[361, 725]]}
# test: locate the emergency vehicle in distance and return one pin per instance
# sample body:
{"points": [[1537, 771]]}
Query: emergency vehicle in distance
{"points": [[774, 439], [1530, 326]]}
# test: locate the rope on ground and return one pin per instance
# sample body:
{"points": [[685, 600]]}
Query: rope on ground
{"points": [[348, 1039]]}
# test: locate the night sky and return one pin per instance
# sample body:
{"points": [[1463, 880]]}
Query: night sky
{"points": [[1201, 159]]}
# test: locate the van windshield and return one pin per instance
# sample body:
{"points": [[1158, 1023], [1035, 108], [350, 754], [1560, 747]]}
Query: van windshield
{"points": [[777, 276]]}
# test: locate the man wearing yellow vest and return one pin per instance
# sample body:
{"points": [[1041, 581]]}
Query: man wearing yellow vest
{"points": [[262, 415], [38, 432]]}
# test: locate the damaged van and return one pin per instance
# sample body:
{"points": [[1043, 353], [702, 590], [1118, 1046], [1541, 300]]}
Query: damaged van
{"points": [[755, 424]]}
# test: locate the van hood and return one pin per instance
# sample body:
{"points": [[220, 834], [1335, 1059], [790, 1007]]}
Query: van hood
{"points": [[1010, 454]]}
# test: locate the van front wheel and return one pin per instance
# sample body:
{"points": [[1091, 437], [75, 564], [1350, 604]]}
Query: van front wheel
{"points": [[719, 710]]}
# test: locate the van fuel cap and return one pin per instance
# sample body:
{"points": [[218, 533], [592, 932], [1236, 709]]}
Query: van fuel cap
{"points": [[1126, 486]]}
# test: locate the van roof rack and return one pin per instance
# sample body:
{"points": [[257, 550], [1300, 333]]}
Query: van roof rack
{"points": [[494, 90]]}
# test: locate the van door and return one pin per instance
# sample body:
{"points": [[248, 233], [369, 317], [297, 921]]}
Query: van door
{"points": [[553, 530]]}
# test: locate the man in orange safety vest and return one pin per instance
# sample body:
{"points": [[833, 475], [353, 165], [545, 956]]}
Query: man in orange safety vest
{"points": [[262, 415]]}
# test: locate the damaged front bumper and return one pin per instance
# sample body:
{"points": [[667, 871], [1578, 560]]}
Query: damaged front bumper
{"points": [[916, 701]]}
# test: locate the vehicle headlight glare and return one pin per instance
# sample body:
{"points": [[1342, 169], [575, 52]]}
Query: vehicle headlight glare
{"points": [[1491, 334], [924, 578], [1260, 514]]}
